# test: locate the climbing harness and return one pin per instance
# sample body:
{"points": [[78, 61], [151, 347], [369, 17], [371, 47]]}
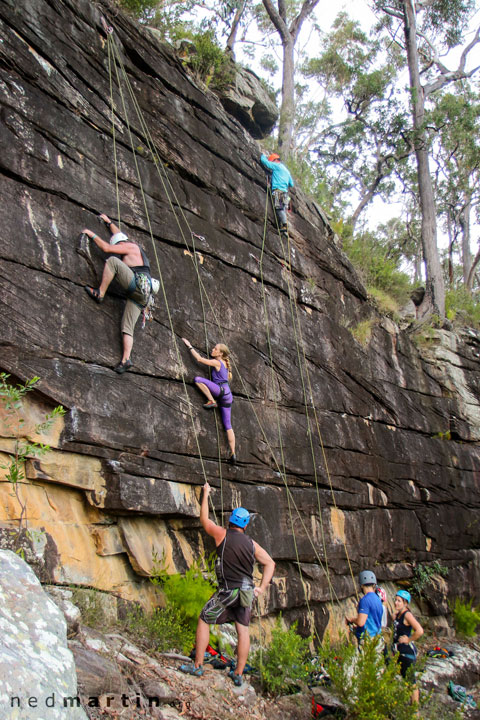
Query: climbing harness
{"points": [[220, 400]]}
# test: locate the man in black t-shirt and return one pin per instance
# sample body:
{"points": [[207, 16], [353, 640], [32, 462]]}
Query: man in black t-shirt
{"points": [[236, 555]]}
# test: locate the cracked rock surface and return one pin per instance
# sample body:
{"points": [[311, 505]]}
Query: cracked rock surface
{"points": [[395, 479], [37, 669]]}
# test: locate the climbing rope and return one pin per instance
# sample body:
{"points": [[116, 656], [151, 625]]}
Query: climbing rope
{"points": [[203, 293], [192, 252], [159, 166], [157, 259], [305, 373]]}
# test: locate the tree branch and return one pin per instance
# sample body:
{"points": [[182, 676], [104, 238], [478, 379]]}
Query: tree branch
{"points": [[471, 274], [393, 12], [307, 8], [448, 76], [277, 20]]}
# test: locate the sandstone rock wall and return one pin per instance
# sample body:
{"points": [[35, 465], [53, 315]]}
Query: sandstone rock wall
{"points": [[122, 479]]}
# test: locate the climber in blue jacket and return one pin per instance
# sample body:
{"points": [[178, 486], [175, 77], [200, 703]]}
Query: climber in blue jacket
{"points": [[281, 181]]}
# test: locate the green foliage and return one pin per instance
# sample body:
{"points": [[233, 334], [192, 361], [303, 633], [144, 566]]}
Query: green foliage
{"points": [[386, 304], [466, 617], [448, 19], [141, 9], [207, 60], [369, 689], [313, 181], [423, 576], [447, 435], [362, 332], [89, 602], [284, 662], [187, 594], [462, 308], [11, 399], [378, 263], [173, 627], [161, 630], [424, 335]]}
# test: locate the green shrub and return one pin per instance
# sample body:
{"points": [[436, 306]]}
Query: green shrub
{"points": [[141, 9], [362, 332], [90, 603], [462, 308], [284, 662], [369, 689], [466, 617], [187, 594], [423, 574], [161, 630], [386, 303], [378, 266], [207, 60]]}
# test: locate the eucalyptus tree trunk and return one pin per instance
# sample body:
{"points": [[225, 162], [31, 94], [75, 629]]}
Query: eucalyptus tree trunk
{"points": [[434, 301], [366, 198], [234, 29], [288, 36], [464, 221], [287, 111]]}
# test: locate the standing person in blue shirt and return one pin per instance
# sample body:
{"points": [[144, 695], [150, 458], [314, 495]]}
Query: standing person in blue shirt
{"points": [[370, 608], [281, 181]]}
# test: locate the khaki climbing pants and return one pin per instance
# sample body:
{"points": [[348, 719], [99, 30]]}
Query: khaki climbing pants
{"points": [[125, 277]]}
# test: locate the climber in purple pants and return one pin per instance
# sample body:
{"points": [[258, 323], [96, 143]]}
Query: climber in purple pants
{"points": [[217, 390]]}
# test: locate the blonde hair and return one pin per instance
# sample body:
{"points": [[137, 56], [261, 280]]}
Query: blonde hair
{"points": [[225, 357]]}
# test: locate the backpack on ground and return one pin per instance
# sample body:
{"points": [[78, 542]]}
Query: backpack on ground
{"points": [[439, 652], [459, 693]]}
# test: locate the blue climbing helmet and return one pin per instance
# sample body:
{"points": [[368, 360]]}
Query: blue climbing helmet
{"points": [[405, 595], [239, 517]]}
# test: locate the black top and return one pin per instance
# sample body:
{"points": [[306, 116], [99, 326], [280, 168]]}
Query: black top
{"points": [[235, 561], [399, 629], [145, 268]]}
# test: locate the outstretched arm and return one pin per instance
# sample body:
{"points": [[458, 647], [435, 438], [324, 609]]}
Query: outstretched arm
{"points": [[266, 162], [111, 225], [199, 358], [122, 248], [215, 531], [264, 559], [105, 246]]}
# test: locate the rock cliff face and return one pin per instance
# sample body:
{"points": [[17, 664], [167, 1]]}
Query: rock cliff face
{"points": [[122, 479]]}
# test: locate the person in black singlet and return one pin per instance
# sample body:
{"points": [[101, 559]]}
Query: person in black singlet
{"points": [[406, 629], [236, 556], [129, 265]]}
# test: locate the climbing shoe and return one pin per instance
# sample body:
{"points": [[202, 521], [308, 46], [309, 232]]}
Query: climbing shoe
{"points": [[94, 294], [232, 460], [190, 669], [209, 405], [123, 366], [237, 679]]}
